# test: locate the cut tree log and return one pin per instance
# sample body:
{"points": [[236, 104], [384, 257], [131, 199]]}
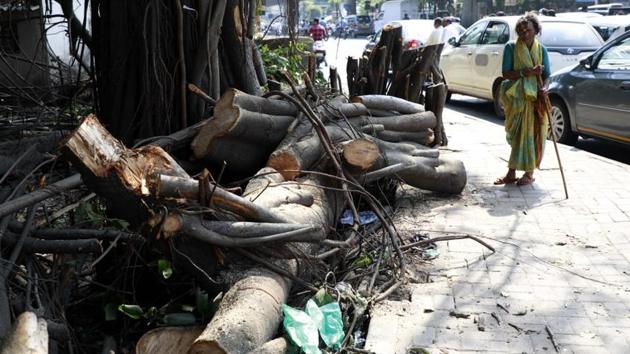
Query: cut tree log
{"points": [[163, 186], [114, 172], [448, 177], [359, 155], [195, 226], [417, 122], [244, 131], [438, 100], [289, 157], [387, 51], [424, 138], [250, 313], [167, 340], [388, 103], [275, 346], [29, 336]]}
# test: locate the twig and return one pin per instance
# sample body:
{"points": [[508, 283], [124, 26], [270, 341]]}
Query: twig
{"points": [[105, 253], [40, 195], [17, 248], [447, 238], [382, 296], [197, 91], [16, 163], [553, 341]]}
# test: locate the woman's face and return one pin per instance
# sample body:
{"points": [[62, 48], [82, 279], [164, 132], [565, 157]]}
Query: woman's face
{"points": [[526, 32]]}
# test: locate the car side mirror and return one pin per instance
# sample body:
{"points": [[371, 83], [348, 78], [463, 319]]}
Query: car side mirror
{"points": [[453, 41], [587, 62], [370, 37]]}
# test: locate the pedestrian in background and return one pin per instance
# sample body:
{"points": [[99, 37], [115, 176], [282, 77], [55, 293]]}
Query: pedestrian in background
{"points": [[526, 131], [317, 31], [435, 37]]}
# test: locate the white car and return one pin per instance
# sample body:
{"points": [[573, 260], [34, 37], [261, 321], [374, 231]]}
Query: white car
{"points": [[472, 64], [610, 26]]}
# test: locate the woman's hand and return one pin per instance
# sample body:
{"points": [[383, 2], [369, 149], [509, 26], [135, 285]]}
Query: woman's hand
{"points": [[536, 70]]}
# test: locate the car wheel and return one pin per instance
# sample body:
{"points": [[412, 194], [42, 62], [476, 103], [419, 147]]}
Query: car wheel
{"points": [[561, 123], [498, 107]]}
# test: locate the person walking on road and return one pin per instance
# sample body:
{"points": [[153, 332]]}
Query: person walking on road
{"points": [[526, 130]]}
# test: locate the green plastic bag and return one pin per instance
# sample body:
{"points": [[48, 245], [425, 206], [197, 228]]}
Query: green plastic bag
{"points": [[301, 329], [328, 321]]}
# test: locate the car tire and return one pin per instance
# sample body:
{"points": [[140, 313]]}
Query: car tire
{"points": [[562, 123], [496, 100]]}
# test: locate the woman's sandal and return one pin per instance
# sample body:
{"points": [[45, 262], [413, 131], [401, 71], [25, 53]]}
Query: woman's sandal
{"points": [[505, 180], [525, 180]]}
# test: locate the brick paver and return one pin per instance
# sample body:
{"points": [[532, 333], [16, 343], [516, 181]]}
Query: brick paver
{"points": [[561, 265]]}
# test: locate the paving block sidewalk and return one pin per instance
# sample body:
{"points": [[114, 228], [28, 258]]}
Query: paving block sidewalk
{"points": [[560, 278]]}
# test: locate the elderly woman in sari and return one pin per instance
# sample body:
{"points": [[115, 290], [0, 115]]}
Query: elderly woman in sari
{"points": [[526, 128]]}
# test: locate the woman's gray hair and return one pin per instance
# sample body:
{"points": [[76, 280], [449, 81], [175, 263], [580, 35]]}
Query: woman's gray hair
{"points": [[530, 17]]}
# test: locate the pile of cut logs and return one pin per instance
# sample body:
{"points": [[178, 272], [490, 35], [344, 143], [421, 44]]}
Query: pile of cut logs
{"points": [[311, 156], [411, 74], [308, 156]]}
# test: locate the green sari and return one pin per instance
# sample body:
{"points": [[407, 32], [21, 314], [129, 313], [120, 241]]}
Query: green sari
{"points": [[526, 131]]}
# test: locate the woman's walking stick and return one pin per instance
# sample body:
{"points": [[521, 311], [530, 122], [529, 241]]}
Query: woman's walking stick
{"points": [[544, 105]]}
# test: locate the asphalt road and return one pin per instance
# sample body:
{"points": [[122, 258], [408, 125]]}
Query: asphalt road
{"points": [[337, 52]]}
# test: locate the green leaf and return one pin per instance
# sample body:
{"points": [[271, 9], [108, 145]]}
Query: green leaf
{"points": [[110, 312], [164, 265], [363, 261], [133, 311], [322, 297], [119, 224], [179, 319]]}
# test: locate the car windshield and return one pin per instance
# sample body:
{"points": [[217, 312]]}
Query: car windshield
{"points": [[568, 34], [616, 57], [363, 19]]}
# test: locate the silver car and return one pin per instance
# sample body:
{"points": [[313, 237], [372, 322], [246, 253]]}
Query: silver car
{"points": [[593, 98], [472, 64]]}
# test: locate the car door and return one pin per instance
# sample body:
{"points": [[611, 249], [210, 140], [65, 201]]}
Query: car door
{"points": [[603, 97], [456, 61], [488, 57]]}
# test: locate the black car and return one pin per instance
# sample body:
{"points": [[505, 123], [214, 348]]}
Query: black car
{"points": [[593, 97]]}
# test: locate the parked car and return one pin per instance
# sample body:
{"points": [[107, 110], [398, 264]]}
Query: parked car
{"points": [[414, 34], [606, 26], [578, 15], [360, 25], [593, 98], [605, 9], [472, 63], [364, 26]]}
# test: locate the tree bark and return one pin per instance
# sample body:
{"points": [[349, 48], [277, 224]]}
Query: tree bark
{"points": [[118, 174], [389, 103], [250, 312], [244, 131], [276, 346], [417, 122], [167, 340], [30, 335]]}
